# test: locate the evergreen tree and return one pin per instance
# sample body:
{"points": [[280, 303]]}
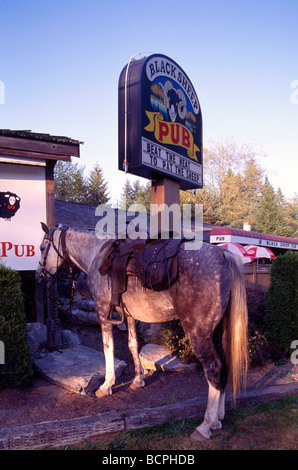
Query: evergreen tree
{"points": [[70, 184], [269, 216], [97, 187], [289, 209], [127, 196], [209, 200], [291, 214], [135, 194], [142, 194]]}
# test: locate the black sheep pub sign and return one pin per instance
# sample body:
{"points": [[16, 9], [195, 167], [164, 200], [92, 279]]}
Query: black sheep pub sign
{"points": [[160, 122], [22, 207]]}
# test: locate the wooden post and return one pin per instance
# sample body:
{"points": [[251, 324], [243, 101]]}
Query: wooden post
{"points": [[254, 276], [164, 191], [53, 322], [39, 304], [50, 193]]}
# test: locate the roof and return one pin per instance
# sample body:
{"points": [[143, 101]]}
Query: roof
{"points": [[82, 216], [74, 214], [25, 143], [27, 134]]}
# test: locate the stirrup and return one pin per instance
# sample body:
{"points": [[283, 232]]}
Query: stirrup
{"points": [[112, 320]]}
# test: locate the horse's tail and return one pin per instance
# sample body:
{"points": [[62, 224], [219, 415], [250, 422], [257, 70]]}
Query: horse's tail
{"points": [[235, 329]]}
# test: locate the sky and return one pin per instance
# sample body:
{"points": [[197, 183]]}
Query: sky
{"points": [[60, 62]]}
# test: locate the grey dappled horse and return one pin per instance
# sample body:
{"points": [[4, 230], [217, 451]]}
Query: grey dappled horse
{"points": [[209, 299]]}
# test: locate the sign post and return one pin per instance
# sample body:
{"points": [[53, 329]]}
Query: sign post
{"points": [[160, 127]]}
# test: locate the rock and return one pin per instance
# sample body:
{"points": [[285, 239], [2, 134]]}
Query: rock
{"points": [[86, 305], [152, 332], [70, 339], [36, 336], [79, 369], [155, 357], [82, 317], [81, 312]]}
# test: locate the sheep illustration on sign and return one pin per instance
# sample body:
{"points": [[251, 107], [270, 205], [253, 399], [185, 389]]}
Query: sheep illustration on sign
{"points": [[9, 205]]}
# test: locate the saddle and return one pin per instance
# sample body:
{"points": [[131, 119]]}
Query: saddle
{"points": [[153, 261]]}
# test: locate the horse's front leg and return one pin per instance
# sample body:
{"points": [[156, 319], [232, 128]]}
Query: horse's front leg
{"points": [[108, 349], [133, 347]]}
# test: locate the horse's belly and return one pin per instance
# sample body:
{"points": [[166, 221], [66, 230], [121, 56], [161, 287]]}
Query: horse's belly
{"points": [[148, 306]]}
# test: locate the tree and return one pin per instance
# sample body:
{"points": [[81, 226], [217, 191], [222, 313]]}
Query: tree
{"points": [[127, 195], [290, 214], [135, 194], [97, 187], [70, 184], [232, 184], [209, 200], [269, 216]]}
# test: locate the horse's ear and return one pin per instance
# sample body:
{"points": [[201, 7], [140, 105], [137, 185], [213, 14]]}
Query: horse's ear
{"points": [[60, 225], [45, 228]]}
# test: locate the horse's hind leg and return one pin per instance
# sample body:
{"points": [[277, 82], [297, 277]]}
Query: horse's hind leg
{"points": [[133, 347], [215, 373], [212, 416]]}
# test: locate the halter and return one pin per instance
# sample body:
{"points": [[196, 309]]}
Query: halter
{"points": [[64, 256]]}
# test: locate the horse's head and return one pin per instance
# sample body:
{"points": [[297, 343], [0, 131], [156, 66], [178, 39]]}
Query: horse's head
{"points": [[52, 252]]}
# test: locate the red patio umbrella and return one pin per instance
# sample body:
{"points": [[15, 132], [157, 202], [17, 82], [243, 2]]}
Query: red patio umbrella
{"points": [[258, 252], [238, 251]]}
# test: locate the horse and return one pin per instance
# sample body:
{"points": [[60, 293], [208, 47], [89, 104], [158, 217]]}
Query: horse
{"points": [[209, 299]]}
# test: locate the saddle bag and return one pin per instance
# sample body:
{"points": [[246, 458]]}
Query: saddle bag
{"points": [[157, 263]]}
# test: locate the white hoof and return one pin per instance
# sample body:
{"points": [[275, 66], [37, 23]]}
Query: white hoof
{"points": [[103, 391], [198, 437], [139, 383]]}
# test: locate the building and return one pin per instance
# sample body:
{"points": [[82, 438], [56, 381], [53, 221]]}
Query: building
{"points": [[279, 245]]}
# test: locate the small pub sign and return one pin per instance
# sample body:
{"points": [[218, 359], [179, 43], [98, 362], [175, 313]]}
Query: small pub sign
{"points": [[160, 122]]}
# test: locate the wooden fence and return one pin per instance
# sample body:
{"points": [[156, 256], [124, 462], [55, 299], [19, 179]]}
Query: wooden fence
{"points": [[257, 276]]}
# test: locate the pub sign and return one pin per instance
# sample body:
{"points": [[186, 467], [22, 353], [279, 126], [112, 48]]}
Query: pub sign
{"points": [[22, 208], [160, 122]]}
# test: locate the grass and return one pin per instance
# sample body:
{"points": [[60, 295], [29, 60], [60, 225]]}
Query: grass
{"points": [[269, 426]]}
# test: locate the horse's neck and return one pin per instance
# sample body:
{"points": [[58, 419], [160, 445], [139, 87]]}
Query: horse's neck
{"points": [[82, 247]]}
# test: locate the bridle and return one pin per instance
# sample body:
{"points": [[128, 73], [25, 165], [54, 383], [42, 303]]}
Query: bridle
{"points": [[64, 256]]}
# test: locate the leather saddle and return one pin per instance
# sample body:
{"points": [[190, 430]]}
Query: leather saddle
{"points": [[154, 261]]}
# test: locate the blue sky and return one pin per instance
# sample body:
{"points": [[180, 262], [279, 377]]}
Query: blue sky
{"points": [[60, 62]]}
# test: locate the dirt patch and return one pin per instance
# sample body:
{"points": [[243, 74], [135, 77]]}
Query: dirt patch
{"points": [[42, 401]]}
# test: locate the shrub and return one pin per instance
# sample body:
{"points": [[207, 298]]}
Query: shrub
{"points": [[176, 340], [281, 317], [258, 349], [17, 370]]}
